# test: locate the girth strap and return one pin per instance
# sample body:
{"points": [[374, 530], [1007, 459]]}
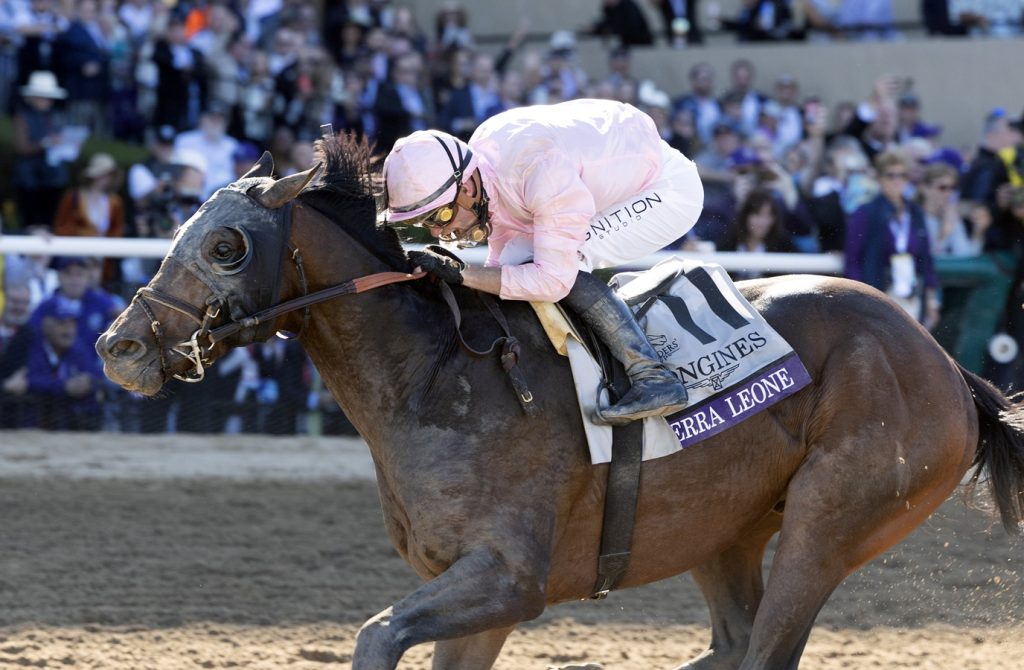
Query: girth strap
{"points": [[621, 491]]}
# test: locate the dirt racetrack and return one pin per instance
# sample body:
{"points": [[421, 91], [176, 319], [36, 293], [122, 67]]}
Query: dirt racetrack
{"points": [[122, 552]]}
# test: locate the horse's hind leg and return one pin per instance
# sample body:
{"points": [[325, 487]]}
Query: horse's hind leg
{"points": [[843, 508], [732, 584], [475, 652]]}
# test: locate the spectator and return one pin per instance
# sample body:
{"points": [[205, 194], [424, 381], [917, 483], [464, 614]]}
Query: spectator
{"points": [[63, 374], [887, 244], [451, 26], [759, 228], [701, 100], [40, 175], [763, 21], [562, 66], [138, 17], [940, 202], [742, 74], [683, 137], [624, 20], [849, 19], [909, 122], [404, 25], [181, 88], [211, 141], [469, 104], [401, 106], [451, 72], [620, 66], [84, 67], [510, 94], [937, 20], [789, 124], [681, 22], [257, 100], [988, 174], [15, 338], [987, 18], [226, 62], [76, 284], [875, 122], [94, 209], [657, 105], [37, 26], [149, 181]]}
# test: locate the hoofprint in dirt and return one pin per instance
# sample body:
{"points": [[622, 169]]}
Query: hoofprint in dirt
{"points": [[122, 552]]}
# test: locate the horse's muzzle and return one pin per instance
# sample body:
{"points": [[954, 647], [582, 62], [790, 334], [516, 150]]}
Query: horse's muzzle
{"points": [[130, 363]]}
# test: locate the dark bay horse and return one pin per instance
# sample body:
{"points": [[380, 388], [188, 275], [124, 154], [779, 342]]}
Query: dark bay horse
{"points": [[501, 513]]}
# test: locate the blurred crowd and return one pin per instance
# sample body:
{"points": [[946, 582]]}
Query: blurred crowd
{"points": [[206, 86]]}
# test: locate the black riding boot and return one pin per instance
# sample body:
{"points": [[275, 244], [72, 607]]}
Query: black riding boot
{"points": [[654, 390]]}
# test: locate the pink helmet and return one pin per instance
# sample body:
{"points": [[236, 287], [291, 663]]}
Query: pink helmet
{"points": [[423, 172]]}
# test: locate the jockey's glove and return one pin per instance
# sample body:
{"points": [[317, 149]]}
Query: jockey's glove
{"points": [[439, 262]]}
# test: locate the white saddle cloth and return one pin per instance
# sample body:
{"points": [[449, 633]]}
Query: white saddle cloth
{"points": [[732, 362]]}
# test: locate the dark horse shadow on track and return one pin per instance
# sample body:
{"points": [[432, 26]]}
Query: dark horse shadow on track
{"points": [[500, 513]]}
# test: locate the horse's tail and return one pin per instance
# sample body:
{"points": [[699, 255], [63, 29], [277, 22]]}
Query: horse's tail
{"points": [[1000, 448]]}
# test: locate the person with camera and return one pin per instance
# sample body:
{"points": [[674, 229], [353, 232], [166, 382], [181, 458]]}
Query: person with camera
{"points": [[175, 193]]}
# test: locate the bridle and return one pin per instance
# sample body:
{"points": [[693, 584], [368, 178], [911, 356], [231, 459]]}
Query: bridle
{"points": [[254, 327], [258, 326]]}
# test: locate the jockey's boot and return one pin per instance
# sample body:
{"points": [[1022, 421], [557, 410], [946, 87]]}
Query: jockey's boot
{"points": [[654, 389]]}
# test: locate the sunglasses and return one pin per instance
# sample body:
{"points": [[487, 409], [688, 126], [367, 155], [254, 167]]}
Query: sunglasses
{"points": [[894, 175], [944, 187]]}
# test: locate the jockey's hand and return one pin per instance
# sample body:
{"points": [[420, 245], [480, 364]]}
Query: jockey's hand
{"points": [[439, 262]]}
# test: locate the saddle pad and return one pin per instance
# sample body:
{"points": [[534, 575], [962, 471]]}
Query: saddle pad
{"points": [[733, 363]]}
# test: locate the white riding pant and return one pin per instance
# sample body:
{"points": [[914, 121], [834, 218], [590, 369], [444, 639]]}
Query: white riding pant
{"points": [[648, 221]]}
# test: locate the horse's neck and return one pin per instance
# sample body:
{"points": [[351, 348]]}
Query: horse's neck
{"points": [[373, 349]]}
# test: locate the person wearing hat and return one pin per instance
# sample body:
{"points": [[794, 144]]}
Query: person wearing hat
{"points": [[63, 375], [76, 283], [38, 182], [93, 209], [557, 191]]}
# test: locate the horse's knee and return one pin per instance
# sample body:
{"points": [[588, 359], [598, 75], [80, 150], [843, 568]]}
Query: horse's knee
{"points": [[523, 595], [379, 645]]}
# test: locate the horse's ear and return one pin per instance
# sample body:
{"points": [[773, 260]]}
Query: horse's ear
{"points": [[264, 167], [275, 194]]}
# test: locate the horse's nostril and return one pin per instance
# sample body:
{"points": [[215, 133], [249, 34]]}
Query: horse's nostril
{"points": [[124, 348]]}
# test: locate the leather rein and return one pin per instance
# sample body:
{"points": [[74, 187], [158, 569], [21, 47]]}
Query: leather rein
{"points": [[202, 342]]}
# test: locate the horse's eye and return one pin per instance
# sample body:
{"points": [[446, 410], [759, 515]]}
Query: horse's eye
{"points": [[223, 251]]}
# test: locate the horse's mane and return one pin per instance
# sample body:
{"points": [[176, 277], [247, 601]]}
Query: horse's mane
{"points": [[347, 193]]}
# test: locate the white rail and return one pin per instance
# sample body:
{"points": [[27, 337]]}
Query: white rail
{"points": [[156, 248]]}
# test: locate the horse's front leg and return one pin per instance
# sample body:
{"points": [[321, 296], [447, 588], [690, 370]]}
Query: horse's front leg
{"points": [[481, 591]]}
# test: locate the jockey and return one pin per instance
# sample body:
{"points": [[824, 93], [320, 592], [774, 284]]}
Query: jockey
{"points": [[556, 191]]}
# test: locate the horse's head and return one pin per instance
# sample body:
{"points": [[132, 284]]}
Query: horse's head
{"points": [[224, 264]]}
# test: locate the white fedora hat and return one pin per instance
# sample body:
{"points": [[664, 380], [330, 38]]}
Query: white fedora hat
{"points": [[43, 84]]}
